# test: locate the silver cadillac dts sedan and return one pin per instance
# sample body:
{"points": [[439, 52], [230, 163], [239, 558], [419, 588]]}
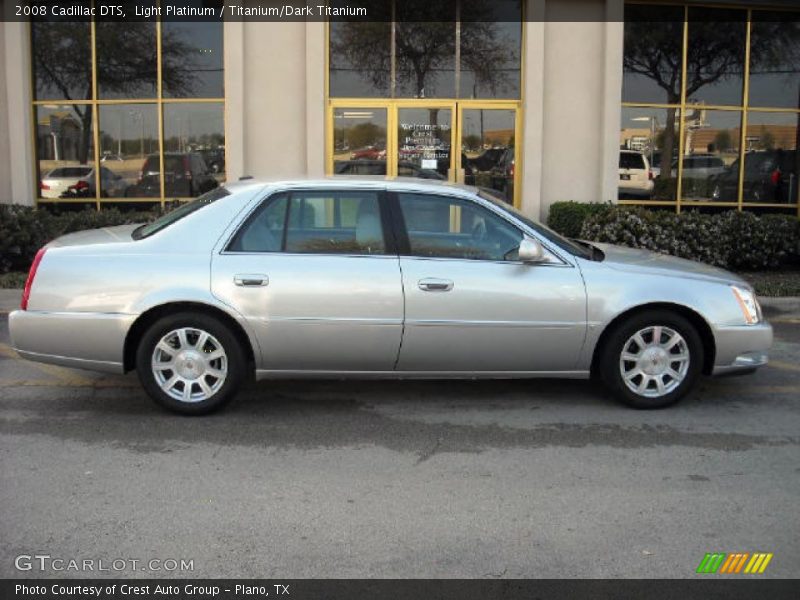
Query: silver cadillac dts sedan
{"points": [[376, 278]]}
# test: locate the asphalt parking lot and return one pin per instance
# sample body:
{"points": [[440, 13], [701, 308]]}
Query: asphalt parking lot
{"points": [[401, 479]]}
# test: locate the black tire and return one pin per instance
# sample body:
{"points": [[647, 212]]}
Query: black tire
{"points": [[235, 361], [611, 368]]}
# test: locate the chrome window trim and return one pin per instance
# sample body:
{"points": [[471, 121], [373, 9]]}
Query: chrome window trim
{"points": [[389, 187]]}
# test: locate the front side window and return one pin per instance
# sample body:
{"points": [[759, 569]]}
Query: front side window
{"points": [[315, 222], [444, 227]]}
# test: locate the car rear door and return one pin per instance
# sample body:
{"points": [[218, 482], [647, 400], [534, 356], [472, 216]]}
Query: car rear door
{"points": [[470, 305], [318, 277]]}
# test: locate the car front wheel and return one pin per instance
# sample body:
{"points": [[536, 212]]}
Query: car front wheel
{"points": [[652, 360], [190, 363]]}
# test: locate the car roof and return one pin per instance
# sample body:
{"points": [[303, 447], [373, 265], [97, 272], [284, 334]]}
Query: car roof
{"points": [[359, 181]]}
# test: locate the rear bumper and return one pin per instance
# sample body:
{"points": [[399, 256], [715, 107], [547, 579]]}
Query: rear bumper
{"points": [[742, 348], [93, 341]]}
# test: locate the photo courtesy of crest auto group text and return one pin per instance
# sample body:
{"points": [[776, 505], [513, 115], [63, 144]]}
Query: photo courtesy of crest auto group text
{"points": [[399, 299]]}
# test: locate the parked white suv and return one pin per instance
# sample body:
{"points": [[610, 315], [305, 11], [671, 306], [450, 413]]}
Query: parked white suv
{"points": [[635, 176]]}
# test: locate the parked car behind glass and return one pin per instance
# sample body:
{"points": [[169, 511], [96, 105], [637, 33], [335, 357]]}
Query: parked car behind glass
{"points": [[635, 177], [770, 176], [79, 182], [185, 175]]}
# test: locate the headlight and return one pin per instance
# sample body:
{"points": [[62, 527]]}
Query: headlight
{"points": [[748, 303]]}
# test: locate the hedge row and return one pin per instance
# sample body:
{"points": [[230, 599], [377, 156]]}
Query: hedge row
{"points": [[732, 240], [23, 230]]}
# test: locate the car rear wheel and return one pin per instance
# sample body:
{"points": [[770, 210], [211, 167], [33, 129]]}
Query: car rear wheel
{"points": [[652, 359], [190, 363]]}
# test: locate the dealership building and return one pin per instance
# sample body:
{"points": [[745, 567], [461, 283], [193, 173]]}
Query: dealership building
{"points": [[679, 105]]}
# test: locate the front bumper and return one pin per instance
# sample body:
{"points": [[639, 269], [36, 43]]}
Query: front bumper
{"points": [[93, 341], [741, 347]]}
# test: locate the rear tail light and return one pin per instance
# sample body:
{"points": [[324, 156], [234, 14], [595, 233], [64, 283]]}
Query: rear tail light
{"points": [[43, 186], [26, 293], [81, 185], [775, 176], [511, 169], [650, 175], [187, 169]]}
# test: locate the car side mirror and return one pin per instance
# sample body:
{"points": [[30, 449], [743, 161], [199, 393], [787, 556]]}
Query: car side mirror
{"points": [[531, 251]]}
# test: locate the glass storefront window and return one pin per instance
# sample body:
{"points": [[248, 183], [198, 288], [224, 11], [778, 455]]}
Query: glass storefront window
{"points": [[715, 56], [62, 60], [651, 133], [130, 107], [775, 59], [65, 151], [460, 49], [771, 160], [354, 46], [129, 150], [194, 148], [651, 64], [733, 123], [425, 49], [127, 62], [710, 165], [192, 60]]}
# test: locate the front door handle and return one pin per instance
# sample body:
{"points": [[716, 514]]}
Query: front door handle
{"points": [[432, 284], [251, 279]]}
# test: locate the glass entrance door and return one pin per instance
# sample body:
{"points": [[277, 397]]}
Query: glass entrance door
{"points": [[470, 141], [425, 142]]}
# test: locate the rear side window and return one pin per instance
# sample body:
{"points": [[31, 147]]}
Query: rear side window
{"points": [[179, 213], [314, 222], [631, 161]]}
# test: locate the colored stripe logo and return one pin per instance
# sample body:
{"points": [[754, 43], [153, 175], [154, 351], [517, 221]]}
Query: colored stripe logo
{"points": [[735, 562]]}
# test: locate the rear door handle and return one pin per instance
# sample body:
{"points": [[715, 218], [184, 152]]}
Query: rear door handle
{"points": [[432, 284], [251, 279]]}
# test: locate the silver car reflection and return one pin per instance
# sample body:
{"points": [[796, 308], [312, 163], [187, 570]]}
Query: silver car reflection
{"points": [[375, 278]]}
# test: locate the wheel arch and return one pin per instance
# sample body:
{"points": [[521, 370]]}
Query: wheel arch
{"points": [[696, 319], [150, 316]]}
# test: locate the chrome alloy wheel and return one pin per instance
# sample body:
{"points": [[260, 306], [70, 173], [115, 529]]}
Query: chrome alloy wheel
{"points": [[189, 364], [654, 361]]}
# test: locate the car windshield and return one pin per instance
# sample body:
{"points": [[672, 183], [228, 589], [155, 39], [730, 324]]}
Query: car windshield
{"points": [[547, 233], [168, 219]]}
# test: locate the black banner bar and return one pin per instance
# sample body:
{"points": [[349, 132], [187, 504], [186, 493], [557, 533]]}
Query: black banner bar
{"points": [[712, 588]]}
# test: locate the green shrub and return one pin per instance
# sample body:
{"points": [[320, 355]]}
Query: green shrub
{"points": [[567, 217], [732, 240], [23, 229]]}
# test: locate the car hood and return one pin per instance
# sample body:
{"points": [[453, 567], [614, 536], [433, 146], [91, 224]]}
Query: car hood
{"points": [[634, 260], [107, 235]]}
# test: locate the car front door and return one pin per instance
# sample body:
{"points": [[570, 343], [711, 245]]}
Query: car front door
{"points": [[314, 274], [470, 304]]}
